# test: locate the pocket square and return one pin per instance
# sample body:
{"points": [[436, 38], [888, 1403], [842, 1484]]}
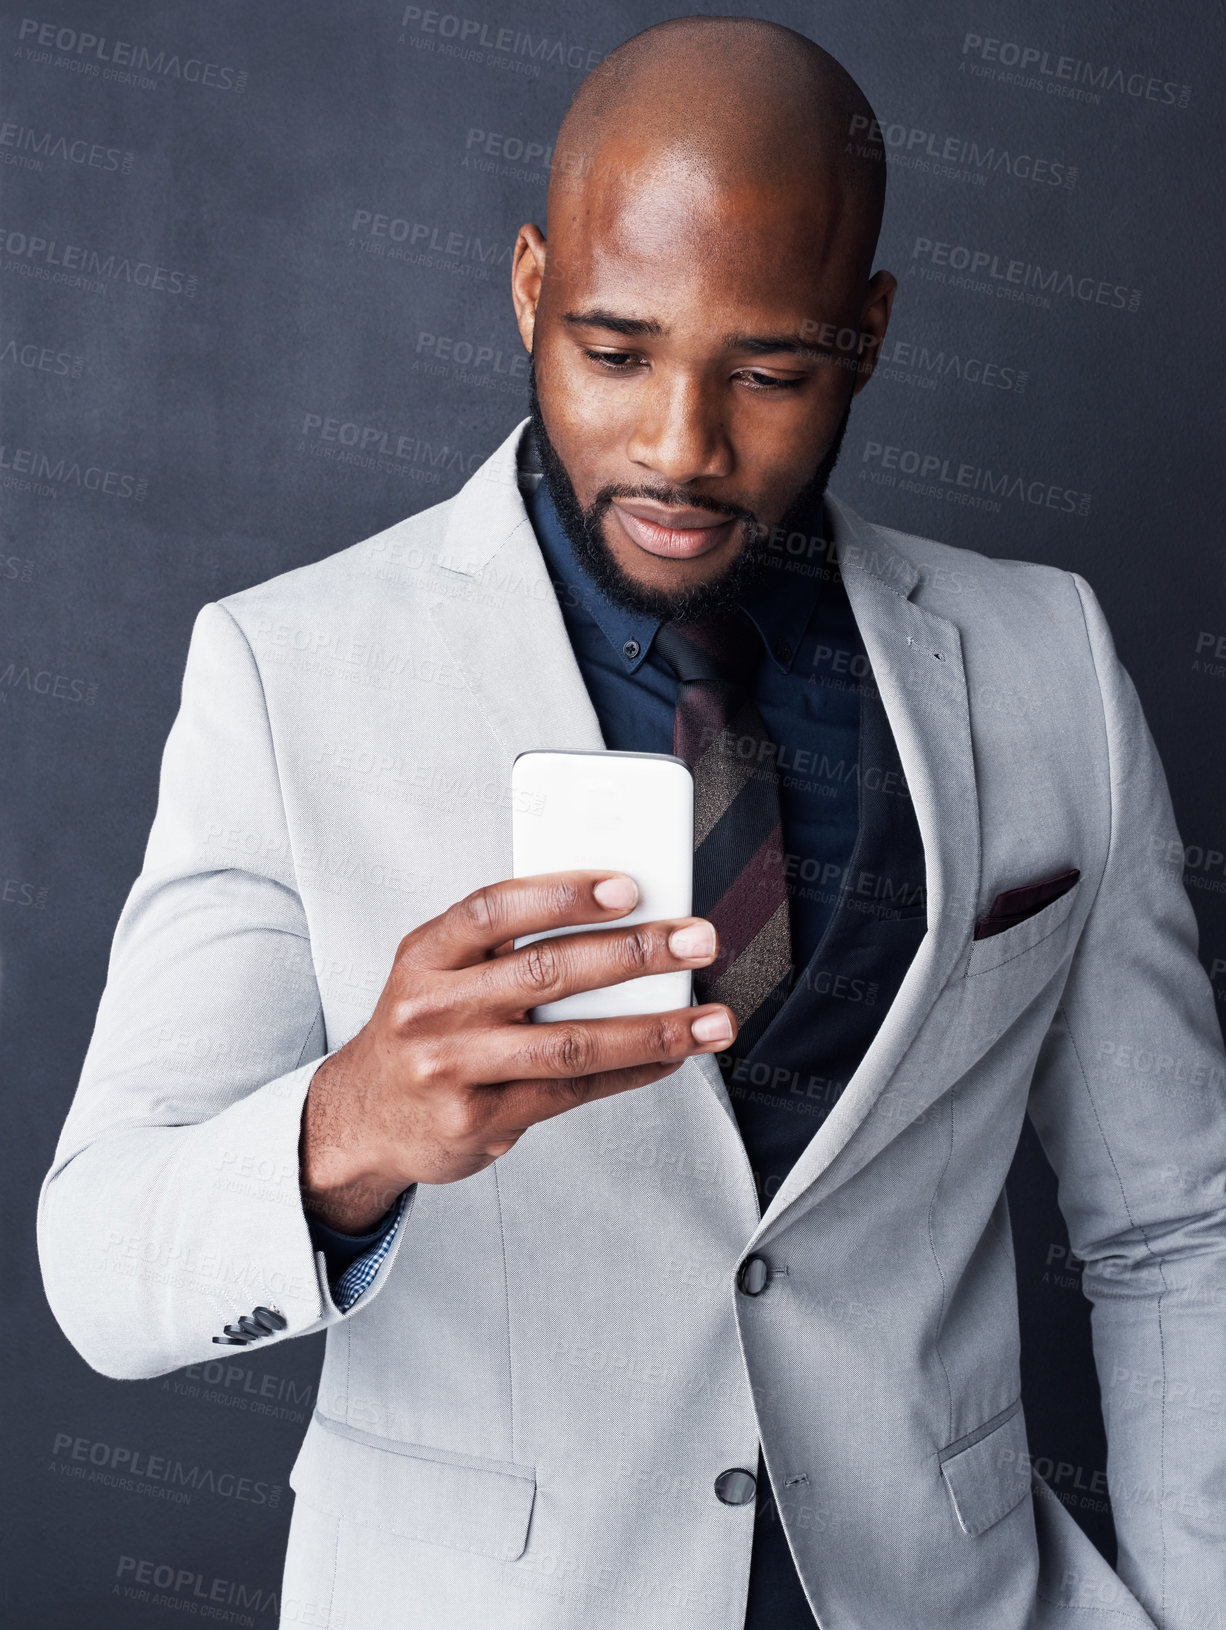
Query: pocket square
{"points": [[1015, 905]]}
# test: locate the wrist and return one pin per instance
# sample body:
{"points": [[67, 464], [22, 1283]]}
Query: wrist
{"points": [[343, 1181], [330, 1238], [356, 1207]]}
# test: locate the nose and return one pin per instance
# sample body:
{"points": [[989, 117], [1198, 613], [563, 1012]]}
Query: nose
{"points": [[679, 433]]}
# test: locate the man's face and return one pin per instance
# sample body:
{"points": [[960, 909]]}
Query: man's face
{"points": [[693, 358]]}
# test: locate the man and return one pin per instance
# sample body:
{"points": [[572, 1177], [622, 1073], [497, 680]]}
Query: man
{"points": [[596, 1296]]}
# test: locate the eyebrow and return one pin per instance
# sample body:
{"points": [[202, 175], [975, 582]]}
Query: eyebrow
{"points": [[652, 328], [635, 327], [766, 344]]}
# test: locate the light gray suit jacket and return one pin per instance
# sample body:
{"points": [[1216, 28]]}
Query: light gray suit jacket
{"points": [[521, 1422]]}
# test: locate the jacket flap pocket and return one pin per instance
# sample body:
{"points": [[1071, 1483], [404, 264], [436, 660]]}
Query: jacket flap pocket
{"points": [[415, 1490], [990, 953], [990, 1474]]}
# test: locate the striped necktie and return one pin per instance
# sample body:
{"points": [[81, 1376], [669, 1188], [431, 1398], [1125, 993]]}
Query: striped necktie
{"points": [[739, 880]]}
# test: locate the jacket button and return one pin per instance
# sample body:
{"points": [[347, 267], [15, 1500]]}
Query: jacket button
{"points": [[736, 1487], [270, 1319], [753, 1276]]}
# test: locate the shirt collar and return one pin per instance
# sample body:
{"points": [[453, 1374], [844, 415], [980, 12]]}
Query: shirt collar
{"points": [[628, 632], [779, 603]]}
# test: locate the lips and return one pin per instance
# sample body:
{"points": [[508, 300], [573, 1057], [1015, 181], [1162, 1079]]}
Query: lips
{"points": [[676, 534]]}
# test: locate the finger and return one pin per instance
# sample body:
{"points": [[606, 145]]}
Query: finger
{"points": [[574, 1048], [525, 1103], [564, 964], [471, 928]]}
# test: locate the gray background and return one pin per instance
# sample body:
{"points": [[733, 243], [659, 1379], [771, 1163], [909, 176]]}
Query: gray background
{"points": [[179, 421]]}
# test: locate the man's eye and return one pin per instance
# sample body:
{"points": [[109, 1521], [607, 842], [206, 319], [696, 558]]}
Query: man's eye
{"points": [[617, 361], [769, 382]]}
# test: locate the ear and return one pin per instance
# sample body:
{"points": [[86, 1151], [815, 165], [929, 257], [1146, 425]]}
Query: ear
{"points": [[874, 320], [527, 275]]}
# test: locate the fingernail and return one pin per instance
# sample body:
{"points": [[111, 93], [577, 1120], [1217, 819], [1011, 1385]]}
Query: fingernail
{"points": [[614, 893], [695, 939], [712, 1027]]}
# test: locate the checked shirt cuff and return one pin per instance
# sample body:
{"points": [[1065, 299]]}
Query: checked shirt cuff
{"points": [[354, 1259]]}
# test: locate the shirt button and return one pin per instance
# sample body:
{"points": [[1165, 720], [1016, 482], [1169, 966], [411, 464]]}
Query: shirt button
{"points": [[753, 1276], [630, 650], [783, 650], [735, 1487]]}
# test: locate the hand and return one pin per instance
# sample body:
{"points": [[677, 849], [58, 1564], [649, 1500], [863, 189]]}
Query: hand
{"points": [[449, 1071]]}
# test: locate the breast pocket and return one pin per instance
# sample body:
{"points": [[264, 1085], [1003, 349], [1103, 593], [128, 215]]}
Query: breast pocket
{"points": [[414, 1490], [987, 954]]}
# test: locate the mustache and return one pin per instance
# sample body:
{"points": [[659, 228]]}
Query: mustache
{"points": [[671, 498]]}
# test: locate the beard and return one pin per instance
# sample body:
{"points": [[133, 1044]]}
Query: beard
{"points": [[584, 530]]}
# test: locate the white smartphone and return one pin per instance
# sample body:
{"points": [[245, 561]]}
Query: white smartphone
{"points": [[631, 812]]}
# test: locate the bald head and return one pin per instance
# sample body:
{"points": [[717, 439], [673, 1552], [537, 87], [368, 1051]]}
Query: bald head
{"points": [[736, 103]]}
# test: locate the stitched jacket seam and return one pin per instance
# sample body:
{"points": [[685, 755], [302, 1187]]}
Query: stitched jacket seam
{"points": [[932, 1246], [1082, 1607], [1111, 828], [506, 1290]]}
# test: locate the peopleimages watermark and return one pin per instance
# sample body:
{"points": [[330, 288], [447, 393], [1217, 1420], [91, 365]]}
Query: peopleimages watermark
{"points": [[387, 444], [28, 676], [955, 157], [43, 359], [911, 362], [138, 1472], [1074, 77], [424, 243], [1210, 655], [500, 154], [182, 1588], [1013, 278], [52, 471], [383, 450], [233, 1387], [28, 146], [481, 39], [77, 265], [470, 361], [907, 360], [936, 476], [15, 892], [96, 56]]}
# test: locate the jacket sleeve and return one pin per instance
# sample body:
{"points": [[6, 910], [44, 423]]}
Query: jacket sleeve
{"points": [[1129, 1101], [172, 1207]]}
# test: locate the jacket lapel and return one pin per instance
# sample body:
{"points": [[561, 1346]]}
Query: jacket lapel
{"points": [[917, 664], [503, 626]]}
